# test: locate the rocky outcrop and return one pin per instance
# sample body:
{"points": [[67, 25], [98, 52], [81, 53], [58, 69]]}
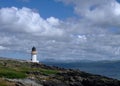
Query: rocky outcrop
{"points": [[43, 75], [69, 77], [78, 78], [24, 82]]}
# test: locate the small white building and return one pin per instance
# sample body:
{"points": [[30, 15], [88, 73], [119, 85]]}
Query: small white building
{"points": [[34, 55]]}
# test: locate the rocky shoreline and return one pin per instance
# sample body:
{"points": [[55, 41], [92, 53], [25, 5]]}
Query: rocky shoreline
{"points": [[38, 74]]}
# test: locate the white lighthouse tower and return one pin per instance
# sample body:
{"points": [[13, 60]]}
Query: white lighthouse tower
{"points": [[34, 55]]}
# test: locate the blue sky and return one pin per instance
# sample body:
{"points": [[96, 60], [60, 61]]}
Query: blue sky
{"points": [[63, 30], [46, 8]]}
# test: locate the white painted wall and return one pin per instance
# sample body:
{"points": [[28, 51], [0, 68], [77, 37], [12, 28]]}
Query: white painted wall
{"points": [[34, 58]]}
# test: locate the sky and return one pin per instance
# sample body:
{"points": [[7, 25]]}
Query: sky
{"points": [[61, 30]]}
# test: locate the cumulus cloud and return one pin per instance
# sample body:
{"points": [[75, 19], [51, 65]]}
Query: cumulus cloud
{"points": [[99, 22], [26, 20], [100, 12], [93, 35]]}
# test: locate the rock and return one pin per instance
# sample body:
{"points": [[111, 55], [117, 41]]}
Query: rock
{"points": [[75, 84], [43, 75]]}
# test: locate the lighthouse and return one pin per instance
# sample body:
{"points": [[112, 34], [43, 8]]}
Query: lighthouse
{"points": [[34, 55]]}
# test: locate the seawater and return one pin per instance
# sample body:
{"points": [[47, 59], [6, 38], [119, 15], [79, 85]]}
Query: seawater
{"points": [[106, 68]]}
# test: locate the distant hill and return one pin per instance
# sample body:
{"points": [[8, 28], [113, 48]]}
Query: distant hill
{"points": [[22, 73]]}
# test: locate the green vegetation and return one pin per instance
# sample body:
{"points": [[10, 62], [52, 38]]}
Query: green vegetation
{"points": [[47, 75], [15, 69], [12, 74]]}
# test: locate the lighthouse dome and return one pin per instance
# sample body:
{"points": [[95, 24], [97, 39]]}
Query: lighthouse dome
{"points": [[33, 49]]}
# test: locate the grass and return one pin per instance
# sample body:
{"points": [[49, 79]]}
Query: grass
{"points": [[48, 72], [41, 70], [17, 70], [11, 73]]}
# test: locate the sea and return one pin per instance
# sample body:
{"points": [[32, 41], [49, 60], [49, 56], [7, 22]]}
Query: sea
{"points": [[110, 69]]}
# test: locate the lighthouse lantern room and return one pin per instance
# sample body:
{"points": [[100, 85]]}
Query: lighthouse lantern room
{"points": [[34, 55]]}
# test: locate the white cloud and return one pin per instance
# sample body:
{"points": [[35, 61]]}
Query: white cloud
{"points": [[3, 48], [53, 21], [97, 17], [94, 35], [99, 12], [27, 21]]}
